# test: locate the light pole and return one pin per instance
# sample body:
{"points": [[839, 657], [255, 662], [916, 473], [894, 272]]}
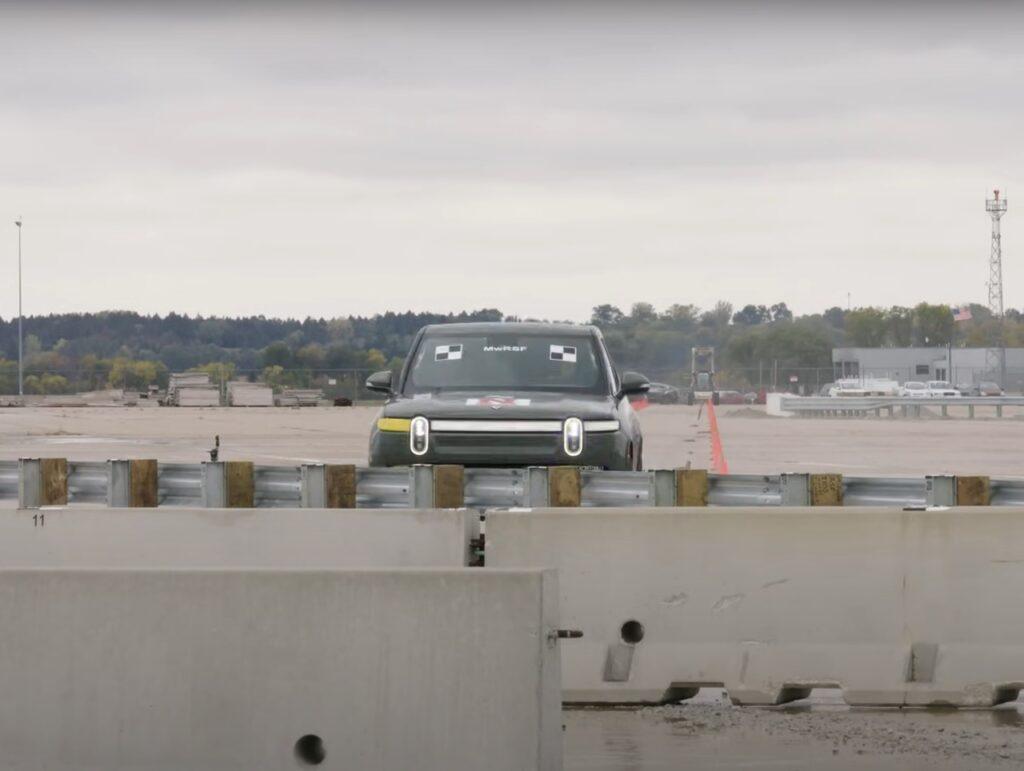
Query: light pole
{"points": [[21, 379]]}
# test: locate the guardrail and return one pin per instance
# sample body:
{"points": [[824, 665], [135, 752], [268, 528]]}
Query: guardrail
{"points": [[35, 483], [859, 406]]}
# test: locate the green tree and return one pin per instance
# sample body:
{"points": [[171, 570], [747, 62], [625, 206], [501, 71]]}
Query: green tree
{"points": [[219, 371], [901, 326], [606, 316], [866, 327], [933, 324]]}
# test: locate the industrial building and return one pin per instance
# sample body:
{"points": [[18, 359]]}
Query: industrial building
{"points": [[957, 365]]}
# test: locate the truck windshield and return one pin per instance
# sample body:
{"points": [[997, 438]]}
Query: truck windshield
{"points": [[506, 361]]}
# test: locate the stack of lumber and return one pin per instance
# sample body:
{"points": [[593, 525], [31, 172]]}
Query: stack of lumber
{"points": [[192, 389], [242, 393], [300, 397]]}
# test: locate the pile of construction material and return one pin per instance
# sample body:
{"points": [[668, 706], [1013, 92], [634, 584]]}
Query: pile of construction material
{"points": [[192, 389], [242, 393], [299, 397]]}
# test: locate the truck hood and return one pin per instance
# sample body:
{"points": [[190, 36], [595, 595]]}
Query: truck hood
{"points": [[502, 405]]}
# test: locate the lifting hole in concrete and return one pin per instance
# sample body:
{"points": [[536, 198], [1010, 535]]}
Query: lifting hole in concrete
{"points": [[632, 632], [309, 750]]}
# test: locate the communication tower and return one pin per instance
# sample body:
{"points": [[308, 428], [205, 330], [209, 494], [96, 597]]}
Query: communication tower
{"points": [[996, 360]]}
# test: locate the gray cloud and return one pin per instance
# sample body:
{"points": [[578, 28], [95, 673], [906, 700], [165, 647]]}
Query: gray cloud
{"points": [[327, 159]]}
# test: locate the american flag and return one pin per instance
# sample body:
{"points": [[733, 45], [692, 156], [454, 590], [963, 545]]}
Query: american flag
{"points": [[961, 313]]}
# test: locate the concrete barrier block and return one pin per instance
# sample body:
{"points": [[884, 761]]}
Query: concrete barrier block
{"points": [[723, 598], [237, 538], [429, 670], [892, 606], [964, 568]]}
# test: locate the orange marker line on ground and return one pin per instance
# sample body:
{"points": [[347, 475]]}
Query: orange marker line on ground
{"points": [[718, 462]]}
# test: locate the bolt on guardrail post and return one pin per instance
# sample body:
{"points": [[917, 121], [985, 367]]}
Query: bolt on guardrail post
{"points": [[940, 490], [42, 482], [132, 483]]}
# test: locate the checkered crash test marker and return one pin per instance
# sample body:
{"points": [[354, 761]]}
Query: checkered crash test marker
{"points": [[563, 353], [448, 352]]}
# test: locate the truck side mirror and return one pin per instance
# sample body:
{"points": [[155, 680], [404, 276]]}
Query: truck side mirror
{"points": [[633, 383], [380, 381]]}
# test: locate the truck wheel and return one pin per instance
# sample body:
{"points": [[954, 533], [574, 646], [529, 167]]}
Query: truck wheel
{"points": [[715, 398]]}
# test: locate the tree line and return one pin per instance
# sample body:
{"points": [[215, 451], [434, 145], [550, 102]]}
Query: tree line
{"points": [[122, 349]]}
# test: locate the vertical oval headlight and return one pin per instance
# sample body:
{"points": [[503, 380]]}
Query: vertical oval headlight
{"points": [[419, 435], [572, 437]]}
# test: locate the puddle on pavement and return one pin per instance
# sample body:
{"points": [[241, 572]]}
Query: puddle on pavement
{"points": [[819, 733]]}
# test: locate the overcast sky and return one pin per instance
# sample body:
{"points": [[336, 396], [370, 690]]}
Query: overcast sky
{"points": [[334, 160]]}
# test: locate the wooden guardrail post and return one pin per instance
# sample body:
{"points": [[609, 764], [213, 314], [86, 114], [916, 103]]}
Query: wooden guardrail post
{"points": [[973, 491], [691, 487], [339, 486], [826, 489], [564, 486], [228, 484], [449, 487], [42, 482], [240, 485], [132, 483]]}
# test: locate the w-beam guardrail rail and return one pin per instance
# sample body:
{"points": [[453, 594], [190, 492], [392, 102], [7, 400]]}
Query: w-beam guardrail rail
{"points": [[38, 482], [905, 406]]}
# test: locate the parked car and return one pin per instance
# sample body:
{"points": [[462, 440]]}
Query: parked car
{"points": [[969, 389], [503, 394], [730, 397], [988, 388], [864, 387], [914, 389], [662, 393], [939, 389]]}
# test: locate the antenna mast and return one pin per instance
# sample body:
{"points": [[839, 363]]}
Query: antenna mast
{"points": [[996, 359]]}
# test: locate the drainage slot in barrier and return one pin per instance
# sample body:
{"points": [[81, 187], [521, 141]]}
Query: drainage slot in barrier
{"points": [[309, 750], [632, 632]]}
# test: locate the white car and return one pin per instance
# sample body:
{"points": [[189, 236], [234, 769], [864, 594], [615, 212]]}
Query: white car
{"points": [[915, 389], [941, 389], [865, 387]]}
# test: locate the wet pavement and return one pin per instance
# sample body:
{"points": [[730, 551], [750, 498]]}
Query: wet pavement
{"points": [[832, 738]]}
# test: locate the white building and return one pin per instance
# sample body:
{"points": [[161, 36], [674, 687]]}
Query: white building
{"points": [[957, 365]]}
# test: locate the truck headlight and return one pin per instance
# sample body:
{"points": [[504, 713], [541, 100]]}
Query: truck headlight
{"points": [[572, 437], [419, 435]]}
